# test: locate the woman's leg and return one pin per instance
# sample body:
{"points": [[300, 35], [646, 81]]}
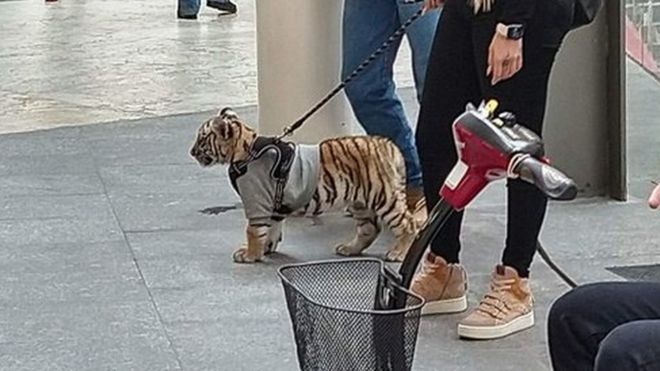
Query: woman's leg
{"points": [[450, 84], [372, 95], [188, 8], [507, 307], [525, 95], [420, 37]]}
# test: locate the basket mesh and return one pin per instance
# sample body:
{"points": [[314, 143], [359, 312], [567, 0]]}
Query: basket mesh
{"points": [[335, 325]]}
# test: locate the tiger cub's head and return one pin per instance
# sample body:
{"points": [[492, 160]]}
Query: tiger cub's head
{"points": [[222, 139]]}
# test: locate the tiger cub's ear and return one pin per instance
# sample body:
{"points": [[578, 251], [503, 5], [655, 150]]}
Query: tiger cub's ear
{"points": [[227, 112]]}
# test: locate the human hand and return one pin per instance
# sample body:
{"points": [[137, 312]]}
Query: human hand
{"points": [[432, 4], [504, 58], [654, 199]]}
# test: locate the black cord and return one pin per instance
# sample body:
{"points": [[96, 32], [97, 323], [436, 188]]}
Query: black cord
{"points": [[544, 255]]}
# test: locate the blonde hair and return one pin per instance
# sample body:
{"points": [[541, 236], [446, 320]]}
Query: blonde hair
{"points": [[482, 5]]}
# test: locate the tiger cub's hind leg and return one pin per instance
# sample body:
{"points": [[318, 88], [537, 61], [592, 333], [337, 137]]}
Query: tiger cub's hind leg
{"points": [[367, 231], [398, 218]]}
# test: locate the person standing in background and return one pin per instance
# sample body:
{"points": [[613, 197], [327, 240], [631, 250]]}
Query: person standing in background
{"points": [[366, 25], [188, 9]]}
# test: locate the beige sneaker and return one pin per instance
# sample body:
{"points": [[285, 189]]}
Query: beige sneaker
{"points": [[443, 285], [505, 309]]}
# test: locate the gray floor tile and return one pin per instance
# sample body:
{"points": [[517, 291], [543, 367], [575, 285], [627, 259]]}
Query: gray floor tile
{"points": [[42, 145], [124, 336], [83, 207], [79, 273], [149, 212], [83, 283], [141, 179], [50, 184], [181, 244], [231, 344], [64, 163], [58, 230]]}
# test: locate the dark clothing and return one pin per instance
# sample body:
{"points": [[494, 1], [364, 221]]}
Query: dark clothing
{"points": [[606, 327], [457, 75], [516, 11]]}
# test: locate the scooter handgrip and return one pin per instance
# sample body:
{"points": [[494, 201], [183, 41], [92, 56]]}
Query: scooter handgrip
{"points": [[555, 184]]}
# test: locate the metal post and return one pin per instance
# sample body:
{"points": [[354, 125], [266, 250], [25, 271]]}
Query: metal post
{"points": [[298, 56]]}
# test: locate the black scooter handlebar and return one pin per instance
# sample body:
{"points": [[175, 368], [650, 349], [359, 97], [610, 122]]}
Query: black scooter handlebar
{"points": [[555, 184]]}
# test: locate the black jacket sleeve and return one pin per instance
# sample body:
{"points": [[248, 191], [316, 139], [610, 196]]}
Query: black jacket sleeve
{"points": [[517, 11]]}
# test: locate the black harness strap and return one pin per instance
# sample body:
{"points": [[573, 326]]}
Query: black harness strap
{"points": [[280, 171]]}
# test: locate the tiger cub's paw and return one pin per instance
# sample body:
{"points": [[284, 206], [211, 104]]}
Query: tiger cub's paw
{"points": [[243, 256], [346, 249], [271, 247], [395, 256]]}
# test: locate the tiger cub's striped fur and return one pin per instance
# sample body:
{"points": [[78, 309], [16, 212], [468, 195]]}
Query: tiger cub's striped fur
{"points": [[364, 173]]}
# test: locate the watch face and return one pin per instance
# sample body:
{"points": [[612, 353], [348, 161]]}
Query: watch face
{"points": [[515, 32]]}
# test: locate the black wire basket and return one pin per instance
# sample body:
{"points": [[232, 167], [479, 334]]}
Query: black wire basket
{"points": [[340, 318]]}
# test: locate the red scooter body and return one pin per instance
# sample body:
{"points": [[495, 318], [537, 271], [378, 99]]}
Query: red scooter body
{"points": [[484, 148]]}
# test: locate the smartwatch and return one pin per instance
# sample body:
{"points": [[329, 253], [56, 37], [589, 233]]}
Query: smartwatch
{"points": [[511, 31]]}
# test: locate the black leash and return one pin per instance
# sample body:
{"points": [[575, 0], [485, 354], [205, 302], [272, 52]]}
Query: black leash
{"points": [[386, 45]]}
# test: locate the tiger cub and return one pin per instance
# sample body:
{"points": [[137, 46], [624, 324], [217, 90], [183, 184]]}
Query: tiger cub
{"points": [[276, 178]]}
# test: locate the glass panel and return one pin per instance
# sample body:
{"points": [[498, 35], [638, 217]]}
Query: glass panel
{"points": [[643, 94]]}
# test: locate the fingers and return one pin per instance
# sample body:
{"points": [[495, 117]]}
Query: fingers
{"points": [[432, 4], [512, 66], [517, 65], [498, 69], [654, 199], [504, 59], [491, 62], [503, 68]]}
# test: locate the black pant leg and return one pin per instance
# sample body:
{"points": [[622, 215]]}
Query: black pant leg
{"points": [[450, 84], [525, 95], [632, 346], [580, 320]]}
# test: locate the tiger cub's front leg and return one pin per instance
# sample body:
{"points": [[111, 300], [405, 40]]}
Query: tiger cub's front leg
{"points": [[257, 240], [274, 237]]}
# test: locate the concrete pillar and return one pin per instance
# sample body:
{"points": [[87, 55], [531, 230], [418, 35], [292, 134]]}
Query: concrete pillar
{"points": [[585, 122], [299, 61]]}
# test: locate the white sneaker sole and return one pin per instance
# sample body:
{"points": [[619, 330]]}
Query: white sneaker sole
{"points": [[493, 332], [445, 306]]}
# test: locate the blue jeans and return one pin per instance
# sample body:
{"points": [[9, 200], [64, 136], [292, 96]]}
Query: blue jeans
{"points": [[366, 25], [189, 7]]}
